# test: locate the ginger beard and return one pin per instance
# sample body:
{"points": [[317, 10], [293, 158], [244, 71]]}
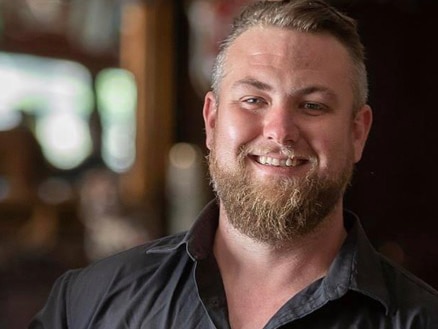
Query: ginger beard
{"points": [[278, 209]]}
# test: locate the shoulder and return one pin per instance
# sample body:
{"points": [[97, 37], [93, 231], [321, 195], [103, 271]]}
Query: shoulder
{"points": [[79, 294], [402, 282], [146, 257], [117, 279], [410, 296], [398, 288], [129, 267]]}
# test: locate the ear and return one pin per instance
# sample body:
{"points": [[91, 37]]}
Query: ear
{"points": [[361, 128], [210, 114]]}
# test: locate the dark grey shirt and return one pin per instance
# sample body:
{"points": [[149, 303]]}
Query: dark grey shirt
{"points": [[174, 282]]}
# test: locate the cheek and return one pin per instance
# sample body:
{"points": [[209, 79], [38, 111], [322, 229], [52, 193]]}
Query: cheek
{"points": [[235, 131], [332, 148], [225, 142]]}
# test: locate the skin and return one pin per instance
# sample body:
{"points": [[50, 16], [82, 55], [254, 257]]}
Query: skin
{"points": [[282, 88]]}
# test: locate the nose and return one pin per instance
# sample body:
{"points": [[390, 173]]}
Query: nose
{"points": [[280, 125]]}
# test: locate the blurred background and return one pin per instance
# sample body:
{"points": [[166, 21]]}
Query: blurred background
{"points": [[102, 141]]}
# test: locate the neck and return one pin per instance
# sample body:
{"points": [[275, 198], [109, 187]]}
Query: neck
{"points": [[259, 278], [306, 258]]}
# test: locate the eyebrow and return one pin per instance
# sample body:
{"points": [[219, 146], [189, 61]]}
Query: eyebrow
{"points": [[315, 89], [251, 82]]}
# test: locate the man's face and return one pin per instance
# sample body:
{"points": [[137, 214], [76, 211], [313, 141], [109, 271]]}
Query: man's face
{"points": [[282, 134]]}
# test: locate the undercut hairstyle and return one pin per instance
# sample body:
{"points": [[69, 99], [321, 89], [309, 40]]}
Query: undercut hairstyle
{"points": [[309, 16]]}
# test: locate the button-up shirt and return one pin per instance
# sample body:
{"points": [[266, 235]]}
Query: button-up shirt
{"points": [[175, 282]]}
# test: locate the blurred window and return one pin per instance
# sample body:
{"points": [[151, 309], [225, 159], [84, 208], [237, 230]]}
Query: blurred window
{"points": [[116, 102], [58, 94]]}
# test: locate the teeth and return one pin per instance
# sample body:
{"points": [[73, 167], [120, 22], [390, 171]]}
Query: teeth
{"points": [[265, 160]]}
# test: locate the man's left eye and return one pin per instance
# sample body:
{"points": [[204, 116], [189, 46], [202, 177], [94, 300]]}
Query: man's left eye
{"points": [[313, 106]]}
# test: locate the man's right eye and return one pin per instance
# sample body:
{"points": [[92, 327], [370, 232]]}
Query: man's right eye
{"points": [[253, 100]]}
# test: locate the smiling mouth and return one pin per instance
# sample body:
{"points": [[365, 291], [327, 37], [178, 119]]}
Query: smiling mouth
{"points": [[276, 162]]}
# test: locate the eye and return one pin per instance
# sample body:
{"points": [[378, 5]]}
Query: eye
{"points": [[253, 103], [253, 100], [314, 108]]}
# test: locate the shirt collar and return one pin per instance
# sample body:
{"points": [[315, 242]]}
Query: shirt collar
{"points": [[198, 240], [357, 266]]}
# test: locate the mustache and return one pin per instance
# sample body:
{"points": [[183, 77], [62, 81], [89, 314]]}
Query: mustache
{"points": [[266, 149], [285, 150]]}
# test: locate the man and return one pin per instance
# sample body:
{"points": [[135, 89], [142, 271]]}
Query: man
{"points": [[285, 123]]}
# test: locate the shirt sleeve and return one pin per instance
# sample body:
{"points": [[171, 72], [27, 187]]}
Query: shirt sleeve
{"points": [[54, 314]]}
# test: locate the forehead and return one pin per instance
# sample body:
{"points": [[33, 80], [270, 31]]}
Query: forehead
{"points": [[279, 44], [288, 57]]}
